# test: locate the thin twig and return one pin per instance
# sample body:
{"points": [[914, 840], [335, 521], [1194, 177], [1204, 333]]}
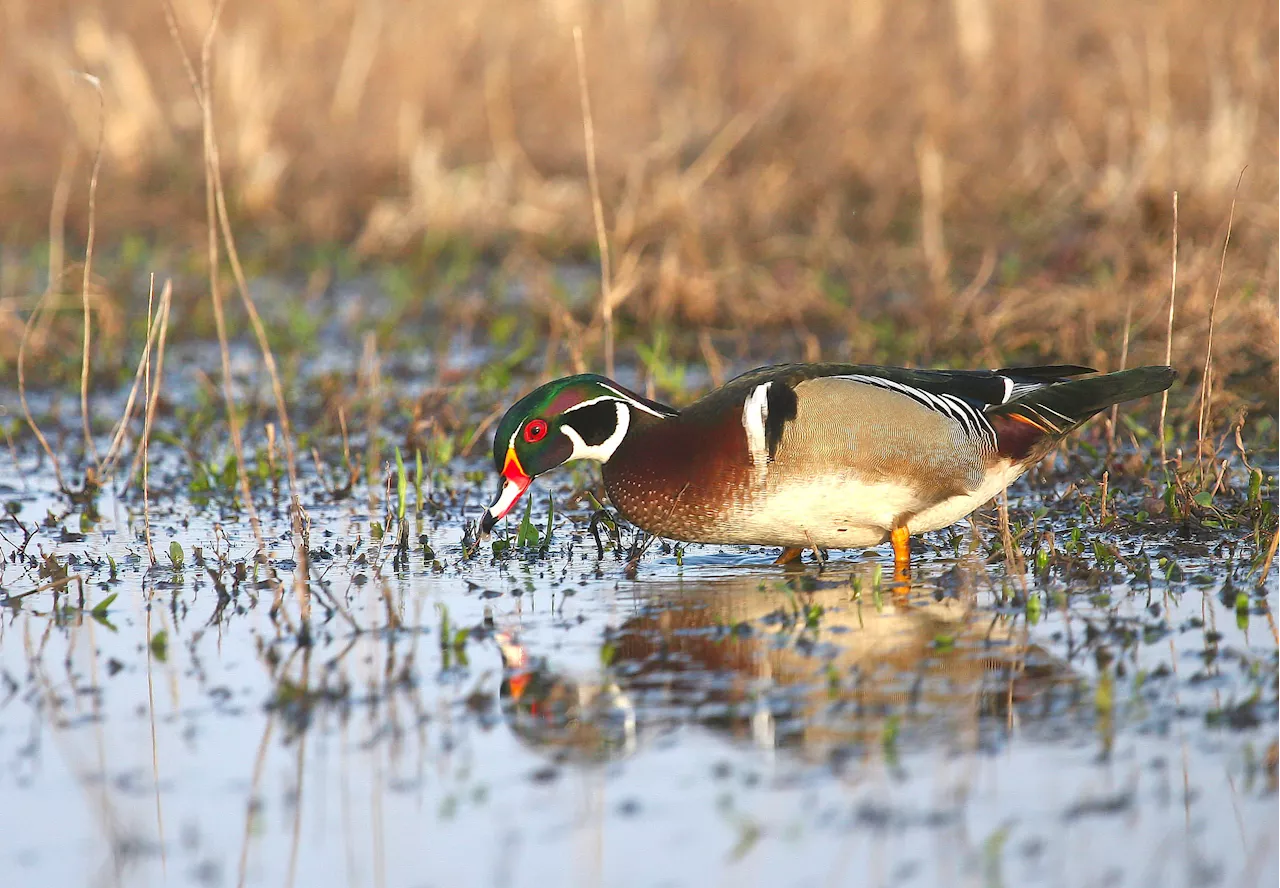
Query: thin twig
{"points": [[149, 413], [255, 782], [346, 444], [1013, 561], [480, 429], [146, 421], [117, 439], [1213, 309], [218, 204], [1124, 363], [1264, 569], [22, 390], [597, 207], [88, 269], [171, 20], [1168, 343], [204, 93], [298, 520], [60, 583], [57, 247], [715, 365], [58, 215]]}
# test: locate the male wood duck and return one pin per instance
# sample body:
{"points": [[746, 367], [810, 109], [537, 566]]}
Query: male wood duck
{"points": [[817, 456]]}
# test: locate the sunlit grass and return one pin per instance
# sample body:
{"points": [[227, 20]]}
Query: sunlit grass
{"points": [[987, 180]]}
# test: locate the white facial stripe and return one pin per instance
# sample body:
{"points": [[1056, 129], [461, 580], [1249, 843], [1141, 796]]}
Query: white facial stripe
{"points": [[633, 402], [510, 493], [755, 413], [588, 403], [602, 451]]}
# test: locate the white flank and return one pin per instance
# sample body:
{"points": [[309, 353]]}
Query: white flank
{"points": [[602, 451], [834, 512], [949, 511], [843, 511], [755, 413]]}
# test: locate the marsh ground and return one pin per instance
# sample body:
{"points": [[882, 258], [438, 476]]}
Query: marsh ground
{"points": [[1094, 704]]}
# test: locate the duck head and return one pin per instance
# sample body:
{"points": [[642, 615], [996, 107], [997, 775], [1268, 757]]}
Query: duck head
{"points": [[577, 417]]}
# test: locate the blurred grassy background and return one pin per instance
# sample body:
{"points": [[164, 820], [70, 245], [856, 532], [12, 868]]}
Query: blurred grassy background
{"points": [[988, 177]]}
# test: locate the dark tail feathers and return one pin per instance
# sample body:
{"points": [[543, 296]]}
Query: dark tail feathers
{"points": [[1029, 425]]}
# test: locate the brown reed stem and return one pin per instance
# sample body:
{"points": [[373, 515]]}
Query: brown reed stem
{"points": [[1124, 363], [117, 439], [146, 425], [204, 92], [89, 446], [597, 206], [58, 215], [1264, 569], [153, 398], [219, 221], [298, 520], [1205, 403], [22, 390], [57, 251], [1168, 342]]}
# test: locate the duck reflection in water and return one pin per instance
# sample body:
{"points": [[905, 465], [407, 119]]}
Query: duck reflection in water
{"points": [[821, 665]]}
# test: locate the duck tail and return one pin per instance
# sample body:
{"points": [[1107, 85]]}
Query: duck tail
{"points": [[1027, 426]]}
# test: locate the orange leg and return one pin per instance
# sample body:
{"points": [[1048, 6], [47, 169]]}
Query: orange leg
{"points": [[901, 539], [789, 554]]}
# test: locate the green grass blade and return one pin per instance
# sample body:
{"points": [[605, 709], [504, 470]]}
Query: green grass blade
{"points": [[551, 514], [402, 486]]}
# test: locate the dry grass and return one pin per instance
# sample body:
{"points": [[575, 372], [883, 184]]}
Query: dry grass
{"points": [[1008, 163]]}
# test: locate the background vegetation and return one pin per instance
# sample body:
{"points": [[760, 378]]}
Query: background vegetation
{"points": [[969, 181]]}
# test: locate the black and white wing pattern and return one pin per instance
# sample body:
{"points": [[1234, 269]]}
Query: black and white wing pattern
{"points": [[1017, 412], [967, 395], [971, 418], [970, 397]]}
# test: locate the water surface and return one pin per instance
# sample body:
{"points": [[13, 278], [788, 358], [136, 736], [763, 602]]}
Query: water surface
{"points": [[553, 718]]}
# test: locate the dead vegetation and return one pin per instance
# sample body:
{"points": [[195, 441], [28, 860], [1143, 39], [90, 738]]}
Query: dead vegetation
{"points": [[972, 173]]}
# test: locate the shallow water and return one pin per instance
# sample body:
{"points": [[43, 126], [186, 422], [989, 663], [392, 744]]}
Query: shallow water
{"points": [[556, 719]]}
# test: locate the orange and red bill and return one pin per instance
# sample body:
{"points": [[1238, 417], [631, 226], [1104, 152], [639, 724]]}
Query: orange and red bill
{"points": [[514, 483]]}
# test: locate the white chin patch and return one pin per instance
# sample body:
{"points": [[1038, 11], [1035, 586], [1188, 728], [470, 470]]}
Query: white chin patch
{"points": [[510, 493]]}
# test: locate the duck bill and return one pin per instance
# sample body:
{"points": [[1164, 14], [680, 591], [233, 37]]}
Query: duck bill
{"points": [[514, 483]]}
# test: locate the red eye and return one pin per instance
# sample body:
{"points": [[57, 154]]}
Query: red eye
{"points": [[535, 431]]}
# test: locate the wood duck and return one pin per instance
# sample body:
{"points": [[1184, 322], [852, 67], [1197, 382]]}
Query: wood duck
{"points": [[817, 456]]}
